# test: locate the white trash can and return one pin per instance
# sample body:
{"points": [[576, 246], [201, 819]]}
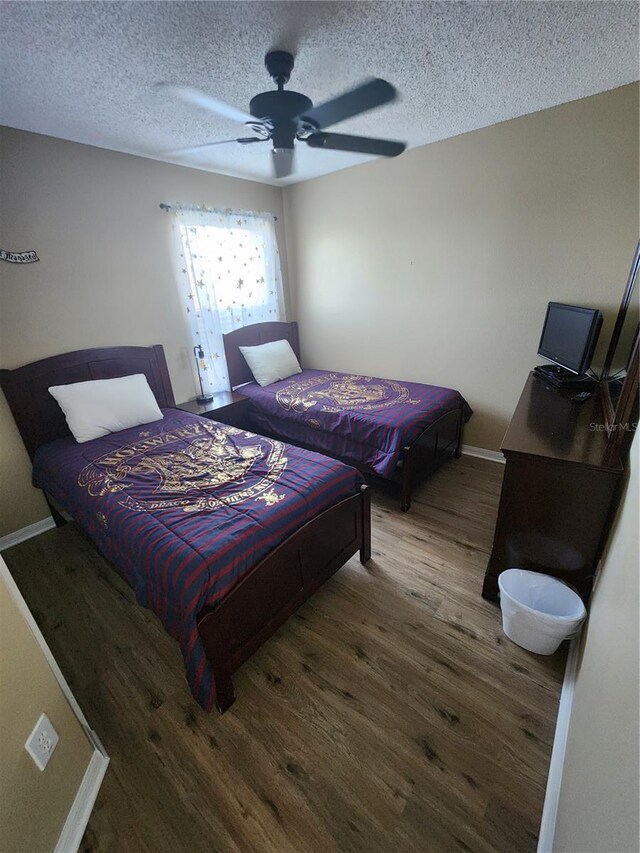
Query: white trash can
{"points": [[538, 611]]}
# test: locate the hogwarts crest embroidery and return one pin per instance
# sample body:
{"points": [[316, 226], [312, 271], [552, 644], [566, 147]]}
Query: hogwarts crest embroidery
{"points": [[186, 466], [343, 393]]}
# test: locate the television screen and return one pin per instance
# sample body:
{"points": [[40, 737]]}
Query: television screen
{"points": [[569, 336]]}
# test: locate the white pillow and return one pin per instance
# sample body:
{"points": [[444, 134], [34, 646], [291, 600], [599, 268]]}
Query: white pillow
{"points": [[101, 406], [271, 362]]}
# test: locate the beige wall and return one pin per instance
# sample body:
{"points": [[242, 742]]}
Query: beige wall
{"points": [[598, 809], [438, 265], [105, 275], [34, 804]]}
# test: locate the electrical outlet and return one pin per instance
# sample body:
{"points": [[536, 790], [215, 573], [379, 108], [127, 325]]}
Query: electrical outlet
{"points": [[42, 741]]}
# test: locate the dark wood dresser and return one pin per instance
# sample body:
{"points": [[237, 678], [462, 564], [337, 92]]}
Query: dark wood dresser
{"points": [[560, 490]]}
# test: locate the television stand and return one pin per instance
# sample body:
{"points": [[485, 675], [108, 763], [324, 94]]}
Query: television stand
{"points": [[561, 486], [564, 379]]}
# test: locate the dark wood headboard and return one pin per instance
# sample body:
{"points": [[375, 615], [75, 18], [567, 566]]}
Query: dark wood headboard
{"points": [[253, 336], [38, 416]]}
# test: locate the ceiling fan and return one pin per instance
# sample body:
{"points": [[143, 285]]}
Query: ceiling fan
{"points": [[284, 116]]}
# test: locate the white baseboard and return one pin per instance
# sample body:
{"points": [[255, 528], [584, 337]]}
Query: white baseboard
{"points": [[481, 453], [26, 533], [554, 779], [80, 811]]}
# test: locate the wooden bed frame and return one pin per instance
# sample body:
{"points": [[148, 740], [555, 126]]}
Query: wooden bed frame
{"points": [[236, 626], [439, 442]]}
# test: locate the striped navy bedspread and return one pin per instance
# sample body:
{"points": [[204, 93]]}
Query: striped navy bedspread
{"points": [[185, 507], [362, 419]]}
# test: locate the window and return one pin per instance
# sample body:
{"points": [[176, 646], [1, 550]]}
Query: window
{"points": [[229, 274]]}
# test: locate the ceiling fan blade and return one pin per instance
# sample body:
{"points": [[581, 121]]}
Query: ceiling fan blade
{"points": [[206, 102], [358, 144], [195, 149], [368, 95], [282, 162]]}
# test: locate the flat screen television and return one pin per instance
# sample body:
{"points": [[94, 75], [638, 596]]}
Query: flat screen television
{"points": [[569, 336]]}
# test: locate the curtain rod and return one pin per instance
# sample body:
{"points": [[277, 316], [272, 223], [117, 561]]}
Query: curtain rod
{"points": [[164, 206]]}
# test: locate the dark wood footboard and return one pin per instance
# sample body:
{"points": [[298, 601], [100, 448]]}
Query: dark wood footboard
{"points": [[233, 629], [438, 442]]}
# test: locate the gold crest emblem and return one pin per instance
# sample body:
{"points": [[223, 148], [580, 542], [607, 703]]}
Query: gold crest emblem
{"points": [[205, 464], [186, 466], [343, 393]]}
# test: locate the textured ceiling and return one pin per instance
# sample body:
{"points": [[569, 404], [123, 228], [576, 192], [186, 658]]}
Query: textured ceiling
{"points": [[86, 71]]}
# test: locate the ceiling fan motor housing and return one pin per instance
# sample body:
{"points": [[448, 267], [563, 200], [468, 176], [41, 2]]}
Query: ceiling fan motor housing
{"points": [[279, 106], [279, 109]]}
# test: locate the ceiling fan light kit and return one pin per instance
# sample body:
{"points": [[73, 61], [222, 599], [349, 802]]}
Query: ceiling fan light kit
{"points": [[285, 117]]}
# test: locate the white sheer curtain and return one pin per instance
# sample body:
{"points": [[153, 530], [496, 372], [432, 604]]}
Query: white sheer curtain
{"points": [[229, 275]]}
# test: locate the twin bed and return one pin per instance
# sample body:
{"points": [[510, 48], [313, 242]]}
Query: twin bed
{"points": [[400, 431], [222, 532]]}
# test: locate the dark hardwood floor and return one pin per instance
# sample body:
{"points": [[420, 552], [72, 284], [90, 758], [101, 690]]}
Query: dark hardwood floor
{"points": [[389, 714]]}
